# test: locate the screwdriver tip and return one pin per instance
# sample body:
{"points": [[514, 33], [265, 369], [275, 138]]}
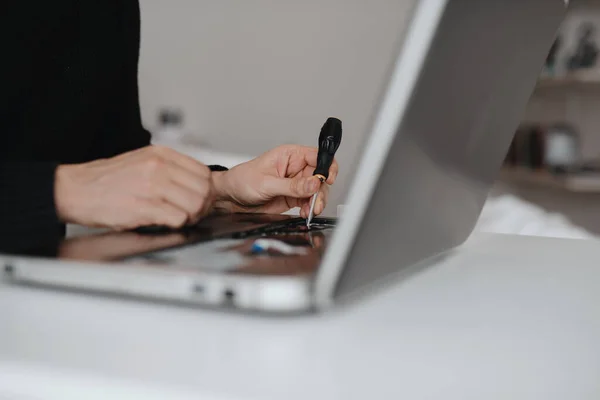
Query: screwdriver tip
{"points": [[311, 212]]}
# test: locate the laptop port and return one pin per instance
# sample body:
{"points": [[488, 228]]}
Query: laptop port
{"points": [[9, 270], [228, 296], [198, 289]]}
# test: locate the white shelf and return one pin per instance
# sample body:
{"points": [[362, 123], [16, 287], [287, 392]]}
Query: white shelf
{"points": [[575, 81], [584, 183]]}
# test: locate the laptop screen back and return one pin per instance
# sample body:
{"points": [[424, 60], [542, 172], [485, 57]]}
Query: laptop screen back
{"points": [[470, 92]]}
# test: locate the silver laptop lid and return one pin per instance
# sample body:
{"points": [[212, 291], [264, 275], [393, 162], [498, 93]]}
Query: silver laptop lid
{"points": [[457, 93]]}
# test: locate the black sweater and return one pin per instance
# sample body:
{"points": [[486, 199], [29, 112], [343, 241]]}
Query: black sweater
{"points": [[68, 94]]}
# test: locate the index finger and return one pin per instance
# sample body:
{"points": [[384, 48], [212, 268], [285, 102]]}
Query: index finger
{"points": [[310, 155], [333, 172]]}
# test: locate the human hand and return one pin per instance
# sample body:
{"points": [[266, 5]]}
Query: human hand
{"points": [[274, 182], [151, 186]]}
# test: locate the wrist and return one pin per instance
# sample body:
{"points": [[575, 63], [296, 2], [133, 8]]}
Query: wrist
{"points": [[220, 185], [224, 200], [64, 197]]}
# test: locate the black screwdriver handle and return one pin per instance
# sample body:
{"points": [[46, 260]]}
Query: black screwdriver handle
{"points": [[329, 141]]}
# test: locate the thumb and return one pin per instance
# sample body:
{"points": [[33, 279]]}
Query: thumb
{"points": [[299, 187]]}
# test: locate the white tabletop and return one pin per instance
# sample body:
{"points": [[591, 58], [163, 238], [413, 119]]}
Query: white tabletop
{"points": [[504, 317]]}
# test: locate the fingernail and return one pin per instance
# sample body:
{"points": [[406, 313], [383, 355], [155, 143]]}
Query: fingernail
{"points": [[311, 185]]}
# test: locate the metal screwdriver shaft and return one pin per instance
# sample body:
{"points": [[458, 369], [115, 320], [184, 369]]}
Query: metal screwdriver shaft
{"points": [[312, 209], [329, 141]]}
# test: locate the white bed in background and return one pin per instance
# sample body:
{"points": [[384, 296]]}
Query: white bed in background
{"points": [[510, 214]]}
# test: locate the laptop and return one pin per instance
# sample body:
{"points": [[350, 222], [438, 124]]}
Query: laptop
{"points": [[456, 93]]}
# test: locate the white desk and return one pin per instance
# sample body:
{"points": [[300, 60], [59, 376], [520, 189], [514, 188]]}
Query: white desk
{"points": [[505, 318]]}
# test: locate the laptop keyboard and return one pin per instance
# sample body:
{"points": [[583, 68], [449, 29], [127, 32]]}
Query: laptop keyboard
{"points": [[232, 250], [296, 226]]}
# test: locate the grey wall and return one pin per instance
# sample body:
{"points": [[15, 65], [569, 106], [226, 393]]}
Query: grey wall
{"points": [[252, 74]]}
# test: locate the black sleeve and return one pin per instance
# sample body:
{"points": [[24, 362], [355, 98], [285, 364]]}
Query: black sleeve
{"points": [[27, 209], [122, 127], [124, 131]]}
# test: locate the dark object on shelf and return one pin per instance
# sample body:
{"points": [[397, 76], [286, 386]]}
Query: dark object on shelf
{"points": [[527, 148], [536, 147], [586, 52], [556, 148], [170, 117], [579, 169], [511, 156], [559, 170]]}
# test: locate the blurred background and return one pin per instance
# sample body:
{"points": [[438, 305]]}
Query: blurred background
{"points": [[225, 80], [554, 161]]}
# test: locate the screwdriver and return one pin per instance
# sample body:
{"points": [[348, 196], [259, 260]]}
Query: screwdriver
{"points": [[329, 141]]}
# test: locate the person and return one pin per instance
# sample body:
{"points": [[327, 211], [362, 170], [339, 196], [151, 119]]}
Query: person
{"points": [[73, 148]]}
